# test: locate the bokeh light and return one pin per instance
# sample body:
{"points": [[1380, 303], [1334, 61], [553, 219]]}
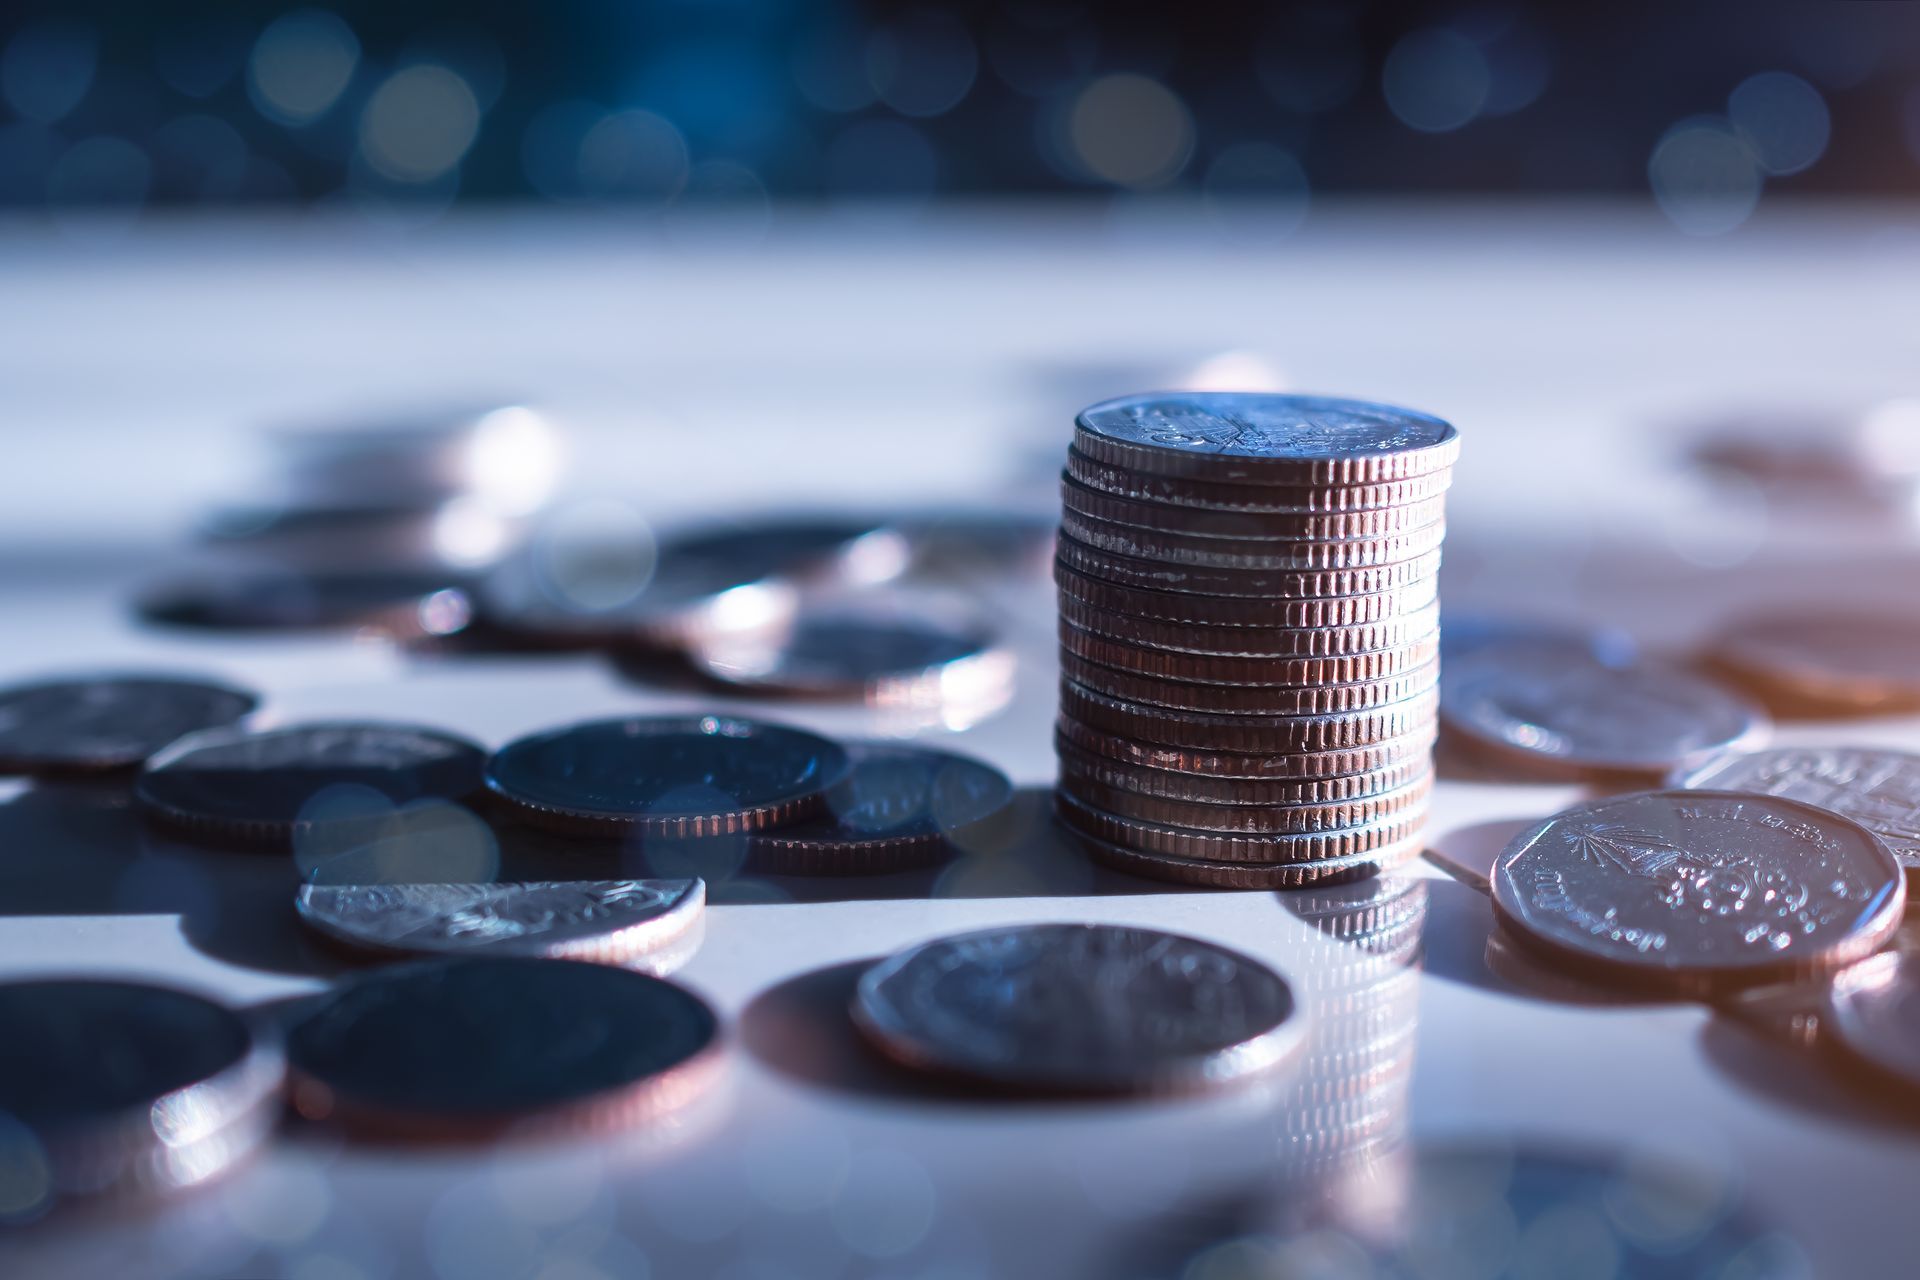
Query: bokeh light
{"points": [[301, 64], [1436, 80], [1130, 130], [1783, 119], [47, 68], [922, 64], [419, 123], [1704, 176], [632, 155]]}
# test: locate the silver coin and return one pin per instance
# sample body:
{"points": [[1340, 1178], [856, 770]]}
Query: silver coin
{"points": [[1467, 633], [1877, 788], [634, 923], [1561, 710], [1873, 1012], [1079, 1008], [881, 659], [1827, 661], [1699, 891]]}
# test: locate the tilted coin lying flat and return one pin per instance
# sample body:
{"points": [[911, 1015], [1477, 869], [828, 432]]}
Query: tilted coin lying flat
{"points": [[1876, 787], [105, 723]]}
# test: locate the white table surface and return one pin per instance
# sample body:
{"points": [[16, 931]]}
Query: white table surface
{"points": [[879, 358]]}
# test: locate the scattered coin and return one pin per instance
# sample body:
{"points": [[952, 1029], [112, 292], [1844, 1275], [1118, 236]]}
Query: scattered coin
{"points": [[640, 924], [1876, 787], [882, 659], [1826, 662], [402, 602], [670, 776], [127, 1088], [818, 550], [899, 807], [105, 723], [1873, 1012], [480, 1044], [1699, 891], [265, 787], [1550, 709], [1075, 1008]]}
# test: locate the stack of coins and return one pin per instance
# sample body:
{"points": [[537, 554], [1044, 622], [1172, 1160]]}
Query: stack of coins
{"points": [[1249, 635]]}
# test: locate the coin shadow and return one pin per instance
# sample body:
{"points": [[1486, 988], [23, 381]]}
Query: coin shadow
{"points": [[1814, 1081]]}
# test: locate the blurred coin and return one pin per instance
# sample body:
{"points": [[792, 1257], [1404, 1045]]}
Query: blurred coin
{"points": [[1876, 787], [1186, 491], [403, 602], [1209, 874], [100, 724], [1871, 454], [1247, 818], [347, 536], [900, 806], [126, 1088], [266, 787], [1232, 670], [883, 659], [1250, 526], [1227, 611], [1237, 764], [1826, 662], [1466, 633], [634, 923], [1078, 1008], [1251, 734], [1249, 699], [1251, 437], [1873, 1012], [965, 543], [1255, 584], [1556, 711], [818, 550], [1240, 847], [480, 1044], [1243, 555], [1699, 891], [507, 455], [1078, 764], [1254, 642], [671, 776]]}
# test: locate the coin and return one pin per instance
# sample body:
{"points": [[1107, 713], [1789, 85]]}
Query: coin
{"points": [[100, 724], [1079, 1008], [1246, 818], [884, 660], [1262, 438], [669, 776], [1876, 787], [1553, 711], [1231, 670], [1168, 784], [508, 455], [264, 787], [1826, 661], [1267, 700], [1699, 891], [900, 806], [1220, 846], [1134, 571], [127, 1088], [1248, 875], [479, 1044], [1228, 611], [626, 922], [403, 602], [1872, 1011], [1251, 734], [1249, 526], [819, 550], [1241, 554], [1237, 764], [1185, 491], [1465, 633], [1254, 642]]}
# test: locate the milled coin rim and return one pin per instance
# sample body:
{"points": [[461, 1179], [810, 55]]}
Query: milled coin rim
{"points": [[1249, 700], [1175, 784], [1260, 526], [1195, 609], [1313, 555], [1217, 495], [1269, 766], [1256, 820], [1253, 642], [1247, 734], [1145, 574], [1234, 669], [1237, 849], [1243, 875]]}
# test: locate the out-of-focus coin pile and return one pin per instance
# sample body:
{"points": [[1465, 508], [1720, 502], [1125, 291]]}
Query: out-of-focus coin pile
{"points": [[1249, 635]]}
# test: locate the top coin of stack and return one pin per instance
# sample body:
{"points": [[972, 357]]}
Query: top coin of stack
{"points": [[1249, 634]]}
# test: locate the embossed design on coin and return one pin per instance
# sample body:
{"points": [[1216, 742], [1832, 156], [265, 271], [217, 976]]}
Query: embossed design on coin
{"points": [[1079, 1009], [1873, 1011], [1552, 708], [677, 776], [255, 787], [470, 1046], [1877, 788], [1697, 891], [106, 723], [611, 921]]}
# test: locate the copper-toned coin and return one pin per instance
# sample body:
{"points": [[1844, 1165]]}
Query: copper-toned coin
{"points": [[1183, 491], [1873, 1012], [1077, 763], [1825, 661], [1271, 700], [1697, 892], [1251, 584], [1240, 875], [1876, 787], [1248, 733], [1231, 611], [1224, 669], [1216, 846], [1254, 642], [668, 776], [1250, 819], [1264, 438], [1276, 766], [474, 1046], [1249, 526], [1242, 554]]}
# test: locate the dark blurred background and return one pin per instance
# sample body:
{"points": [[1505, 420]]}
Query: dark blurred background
{"points": [[646, 104]]}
